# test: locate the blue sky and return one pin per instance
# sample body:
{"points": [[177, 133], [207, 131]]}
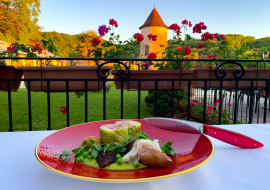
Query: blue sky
{"points": [[249, 17]]}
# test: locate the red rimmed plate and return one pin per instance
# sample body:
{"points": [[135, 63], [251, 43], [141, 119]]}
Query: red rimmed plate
{"points": [[195, 150]]}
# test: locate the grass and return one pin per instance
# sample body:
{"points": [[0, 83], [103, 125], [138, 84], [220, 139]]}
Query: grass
{"points": [[76, 106]]}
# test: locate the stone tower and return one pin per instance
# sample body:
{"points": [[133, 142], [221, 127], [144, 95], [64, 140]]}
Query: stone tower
{"points": [[153, 25]]}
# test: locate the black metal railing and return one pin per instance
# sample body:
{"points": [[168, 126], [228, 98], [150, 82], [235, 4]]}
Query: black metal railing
{"points": [[125, 77]]}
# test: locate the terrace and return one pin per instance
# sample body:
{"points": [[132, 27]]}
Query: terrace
{"points": [[247, 106]]}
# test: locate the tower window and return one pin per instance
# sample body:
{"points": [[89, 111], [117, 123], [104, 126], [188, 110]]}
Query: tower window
{"points": [[146, 50]]}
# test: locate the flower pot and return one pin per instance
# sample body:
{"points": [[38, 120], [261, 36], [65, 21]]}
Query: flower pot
{"points": [[68, 72], [10, 72], [154, 74], [249, 74]]}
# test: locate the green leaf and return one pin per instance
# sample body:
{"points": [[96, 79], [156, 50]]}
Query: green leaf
{"points": [[121, 149], [66, 153], [78, 153], [76, 150], [94, 153], [84, 143], [98, 148]]}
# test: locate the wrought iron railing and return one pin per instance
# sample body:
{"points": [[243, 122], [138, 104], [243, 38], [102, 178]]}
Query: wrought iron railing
{"points": [[124, 76]]}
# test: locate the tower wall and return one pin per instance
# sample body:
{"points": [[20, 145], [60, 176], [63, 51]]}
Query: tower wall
{"points": [[161, 33]]}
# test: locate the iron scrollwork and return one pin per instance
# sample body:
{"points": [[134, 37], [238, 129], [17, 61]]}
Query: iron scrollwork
{"points": [[121, 72], [235, 72]]}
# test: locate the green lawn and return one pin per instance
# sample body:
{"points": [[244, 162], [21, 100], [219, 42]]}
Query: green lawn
{"points": [[76, 106]]}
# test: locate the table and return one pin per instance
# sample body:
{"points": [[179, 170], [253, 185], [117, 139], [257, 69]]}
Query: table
{"points": [[229, 168]]}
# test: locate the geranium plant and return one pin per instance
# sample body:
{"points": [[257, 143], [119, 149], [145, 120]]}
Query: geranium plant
{"points": [[196, 112], [114, 47]]}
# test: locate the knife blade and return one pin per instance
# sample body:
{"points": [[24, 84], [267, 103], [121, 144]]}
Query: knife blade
{"points": [[183, 126]]}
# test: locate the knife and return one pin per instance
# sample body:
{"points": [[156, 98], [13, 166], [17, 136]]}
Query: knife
{"points": [[183, 126]]}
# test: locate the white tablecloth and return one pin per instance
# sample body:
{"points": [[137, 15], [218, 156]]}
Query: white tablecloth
{"points": [[229, 168]]}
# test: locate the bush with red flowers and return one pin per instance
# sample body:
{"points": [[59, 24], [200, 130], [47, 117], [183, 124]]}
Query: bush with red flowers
{"points": [[114, 47], [31, 51], [196, 112]]}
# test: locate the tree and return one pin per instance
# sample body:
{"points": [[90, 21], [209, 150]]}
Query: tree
{"points": [[84, 44], [236, 41], [18, 20]]}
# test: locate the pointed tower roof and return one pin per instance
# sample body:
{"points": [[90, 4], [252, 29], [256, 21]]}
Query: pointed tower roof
{"points": [[154, 19]]}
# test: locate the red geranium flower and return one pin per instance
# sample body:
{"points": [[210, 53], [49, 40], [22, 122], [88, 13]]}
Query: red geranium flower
{"points": [[207, 112], [207, 36], [189, 24], [185, 22], [113, 23], [200, 46], [175, 117], [199, 27], [182, 106], [152, 55], [139, 37], [192, 103], [63, 109], [152, 37], [175, 28], [187, 50], [210, 107], [96, 41], [201, 103], [210, 56], [178, 49]]}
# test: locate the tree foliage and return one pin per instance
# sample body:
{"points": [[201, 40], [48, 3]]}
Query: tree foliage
{"points": [[65, 43], [18, 19], [236, 41]]}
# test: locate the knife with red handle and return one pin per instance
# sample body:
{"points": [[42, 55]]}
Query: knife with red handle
{"points": [[184, 126]]}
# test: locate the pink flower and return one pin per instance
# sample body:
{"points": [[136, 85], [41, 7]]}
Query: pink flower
{"points": [[179, 114], [152, 37], [169, 113], [215, 104], [152, 55], [96, 41], [102, 30], [175, 117], [189, 24], [207, 36], [210, 107], [176, 106], [178, 49], [182, 106], [192, 115], [185, 113], [63, 109], [175, 28], [219, 36], [218, 101], [210, 56], [195, 100], [146, 65], [198, 64], [200, 46], [201, 103], [229, 104], [199, 27], [75, 93], [139, 37], [113, 23], [185, 22], [207, 112], [187, 50], [192, 103]]}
